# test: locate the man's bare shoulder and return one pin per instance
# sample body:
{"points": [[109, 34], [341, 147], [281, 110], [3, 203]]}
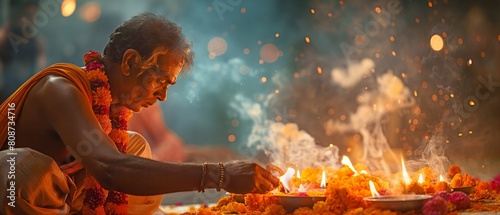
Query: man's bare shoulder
{"points": [[52, 84], [69, 114], [55, 93], [53, 87]]}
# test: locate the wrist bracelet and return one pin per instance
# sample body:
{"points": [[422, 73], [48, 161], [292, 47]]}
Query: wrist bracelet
{"points": [[221, 178], [203, 177]]}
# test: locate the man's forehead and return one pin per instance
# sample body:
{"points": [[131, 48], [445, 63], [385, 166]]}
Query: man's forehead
{"points": [[169, 59], [169, 63]]}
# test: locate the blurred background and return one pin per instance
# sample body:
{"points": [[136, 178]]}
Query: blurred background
{"points": [[355, 77]]}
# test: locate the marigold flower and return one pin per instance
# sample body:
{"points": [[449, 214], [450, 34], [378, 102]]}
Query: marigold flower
{"points": [[453, 170], [95, 201]]}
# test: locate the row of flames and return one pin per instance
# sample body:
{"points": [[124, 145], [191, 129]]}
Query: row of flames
{"points": [[285, 178]]}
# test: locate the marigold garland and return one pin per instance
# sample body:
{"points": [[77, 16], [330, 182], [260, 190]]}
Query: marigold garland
{"points": [[113, 120]]}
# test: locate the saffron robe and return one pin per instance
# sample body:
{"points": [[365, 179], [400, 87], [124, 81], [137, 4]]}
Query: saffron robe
{"points": [[42, 186]]}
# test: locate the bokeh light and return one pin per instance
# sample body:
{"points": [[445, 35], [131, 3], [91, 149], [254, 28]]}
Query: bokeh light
{"points": [[68, 7], [231, 138], [269, 53], [90, 11], [436, 42], [217, 46]]}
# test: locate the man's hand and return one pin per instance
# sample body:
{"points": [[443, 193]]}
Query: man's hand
{"points": [[246, 177]]}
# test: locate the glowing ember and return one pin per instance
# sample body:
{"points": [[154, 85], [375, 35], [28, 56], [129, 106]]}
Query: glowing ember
{"points": [[441, 178], [405, 173], [285, 178], [346, 161], [372, 189], [322, 185], [420, 179]]}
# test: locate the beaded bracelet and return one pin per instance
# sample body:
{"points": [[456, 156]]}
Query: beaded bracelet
{"points": [[221, 178], [203, 177]]}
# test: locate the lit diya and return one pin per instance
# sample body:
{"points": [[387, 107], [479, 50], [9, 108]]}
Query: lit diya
{"points": [[399, 203], [291, 199], [291, 203], [406, 202]]}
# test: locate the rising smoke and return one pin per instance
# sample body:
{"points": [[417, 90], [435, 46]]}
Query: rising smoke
{"points": [[373, 107], [285, 144]]}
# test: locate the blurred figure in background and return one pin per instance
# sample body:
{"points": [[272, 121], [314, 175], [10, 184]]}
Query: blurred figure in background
{"points": [[21, 48]]}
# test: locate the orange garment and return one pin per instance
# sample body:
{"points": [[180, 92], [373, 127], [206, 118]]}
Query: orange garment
{"points": [[73, 73], [42, 186]]}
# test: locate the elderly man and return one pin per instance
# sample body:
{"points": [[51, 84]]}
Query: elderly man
{"points": [[64, 132]]}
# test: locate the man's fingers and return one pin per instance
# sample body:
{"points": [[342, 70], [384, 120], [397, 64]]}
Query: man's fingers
{"points": [[266, 185], [274, 180], [271, 167], [270, 177], [264, 188], [263, 183]]}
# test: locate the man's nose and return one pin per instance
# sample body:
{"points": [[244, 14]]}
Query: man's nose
{"points": [[161, 95]]}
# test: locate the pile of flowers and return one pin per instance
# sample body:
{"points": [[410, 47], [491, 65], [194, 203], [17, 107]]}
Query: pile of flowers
{"points": [[346, 189]]}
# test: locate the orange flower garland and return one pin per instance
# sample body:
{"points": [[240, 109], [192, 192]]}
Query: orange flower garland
{"points": [[113, 120]]}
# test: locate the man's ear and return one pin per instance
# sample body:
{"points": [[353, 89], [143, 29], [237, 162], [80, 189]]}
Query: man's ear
{"points": [[130, 59]]}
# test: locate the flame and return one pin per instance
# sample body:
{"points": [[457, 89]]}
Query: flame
{"points": [[322, 185], [363, 172], [372, 189], [302, 189], [420, 179], [405, 173], [441, 178], [298, 173], [285, 178], [346, 161]]}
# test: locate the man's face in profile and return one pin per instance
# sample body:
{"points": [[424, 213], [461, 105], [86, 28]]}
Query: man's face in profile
{"points": [[152, 84]]}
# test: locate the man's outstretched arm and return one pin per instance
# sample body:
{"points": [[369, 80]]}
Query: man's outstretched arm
{"points": [[71, 116]]}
